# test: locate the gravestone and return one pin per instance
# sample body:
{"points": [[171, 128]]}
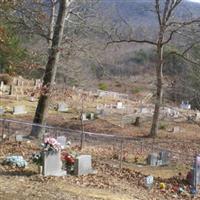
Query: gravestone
{"points": [[152, 159], [62, 140], [1, 111], [144, 110], [52, 165], [197, 116], [19, 138], [90, 116], [196, 171], [164, 157], [83, 165], [32, 99], [176, 129], [185, 105], [19, 110], [149, 181], [1, 86], [119, 105], [62, 107], [84, 117]]}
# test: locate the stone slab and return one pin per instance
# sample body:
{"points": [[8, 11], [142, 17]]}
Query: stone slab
{"points": [[62, 140], [19, 138], [62, 107], [52, 165], [83, 165], [17, 110]]}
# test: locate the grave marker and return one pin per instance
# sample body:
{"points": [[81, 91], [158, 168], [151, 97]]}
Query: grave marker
{"points": [[20, 109], [62, 140], [84, 117], [62, 107], [176, 129], [19, 138], [83, 165], [2, 85], [196, 171], [1, 111], [152, 159], [149, 182], [164, 157], [119, 105], [52, 165]]}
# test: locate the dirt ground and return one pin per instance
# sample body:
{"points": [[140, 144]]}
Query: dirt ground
{"points": [[108, 183]]}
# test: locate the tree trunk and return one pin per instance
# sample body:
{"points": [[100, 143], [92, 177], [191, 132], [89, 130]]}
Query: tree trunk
{"points": [[159, 92], [50, 72], [51, 24]]}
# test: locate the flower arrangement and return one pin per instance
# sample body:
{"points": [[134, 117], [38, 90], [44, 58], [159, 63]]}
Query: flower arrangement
{"points": [[68, 160], [17, 161], [37, 158], [51, 144]]}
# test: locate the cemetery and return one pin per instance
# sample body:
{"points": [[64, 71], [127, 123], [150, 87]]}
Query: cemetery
{"points": [[98, 142], [99, 100]]}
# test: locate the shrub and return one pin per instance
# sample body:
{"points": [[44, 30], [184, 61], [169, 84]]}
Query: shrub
{"points": [[136, 90], [162, 126], [103, 86]]}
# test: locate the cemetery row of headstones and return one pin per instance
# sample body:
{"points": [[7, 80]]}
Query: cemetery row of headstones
{"points": [[155, 159], [53, 166]]}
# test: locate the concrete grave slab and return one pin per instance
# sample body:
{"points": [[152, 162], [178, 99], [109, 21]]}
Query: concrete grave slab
{"points": [[19, 138], [62, 107], [83, 165], [119, 105], [176, 129], [152, 159], [164, 156], [20, 109], [62, 140], [84, 117], [149, 180], [53, 164], [2, 111]]}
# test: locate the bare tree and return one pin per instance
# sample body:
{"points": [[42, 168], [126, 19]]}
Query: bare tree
{"points": [[51, 66], [168, 27]]}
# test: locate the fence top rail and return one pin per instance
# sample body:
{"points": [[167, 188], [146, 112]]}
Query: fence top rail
{"points": [[72, 130]]}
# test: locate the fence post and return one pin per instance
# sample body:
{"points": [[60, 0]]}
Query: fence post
{"points": [[121, 153], [82, 134], [2, 131], [8, 130]]}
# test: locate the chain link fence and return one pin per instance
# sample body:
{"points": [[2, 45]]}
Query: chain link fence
{"points": [[105, 147]]}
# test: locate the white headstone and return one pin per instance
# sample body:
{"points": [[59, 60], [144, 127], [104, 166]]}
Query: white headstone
{"points": [[62, 140], [1, 86], [62, 107], [1, 111], [83, 165], [149, 181], [20, 109], [152, 159], [84, 117], [32, 99], [91, 116], [144, 110], [53, 164], [176, 129], [19, 138], [119, 105]]}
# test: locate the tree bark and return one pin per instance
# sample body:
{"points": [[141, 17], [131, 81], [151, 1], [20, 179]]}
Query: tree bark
{"points": [[159, 92], [50, 72]]}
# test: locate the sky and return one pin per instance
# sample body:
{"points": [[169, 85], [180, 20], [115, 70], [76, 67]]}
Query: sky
{"points": [[197, 1]]}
